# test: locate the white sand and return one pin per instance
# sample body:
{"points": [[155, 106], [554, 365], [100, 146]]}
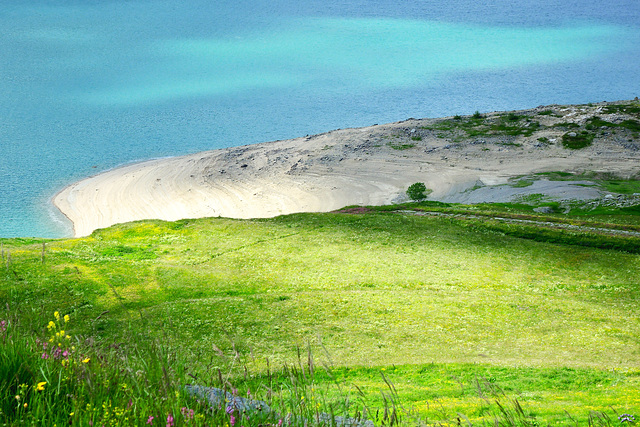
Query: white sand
{"points": [[322, 173]]}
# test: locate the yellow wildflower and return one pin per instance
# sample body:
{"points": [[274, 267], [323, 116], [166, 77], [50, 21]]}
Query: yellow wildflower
{"points": [[51, 325], [71, 414], [66, 318], [57, 315], [40, 386], [68, 337], [86, 360], [17, 397], [25, 405]]}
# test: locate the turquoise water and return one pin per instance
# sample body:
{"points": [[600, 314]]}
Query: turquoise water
{"points": [[89, 85]]}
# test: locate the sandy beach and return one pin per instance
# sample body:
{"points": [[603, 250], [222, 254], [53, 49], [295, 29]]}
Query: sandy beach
{"points": [[365, 166]]}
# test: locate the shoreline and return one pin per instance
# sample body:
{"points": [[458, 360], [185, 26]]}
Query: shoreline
{"points": [[361, 166]]}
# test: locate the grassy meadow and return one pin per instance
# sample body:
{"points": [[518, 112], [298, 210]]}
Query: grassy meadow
{"points": [[400, 317]]}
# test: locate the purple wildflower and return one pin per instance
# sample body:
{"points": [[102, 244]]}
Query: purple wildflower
{"points": [[232, 420], [45, 355], [627, 418], [150, 419], [170, 420], [187, 413]]}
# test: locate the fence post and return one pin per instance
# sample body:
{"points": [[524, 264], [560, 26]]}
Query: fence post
{"points": [[43, 249]]}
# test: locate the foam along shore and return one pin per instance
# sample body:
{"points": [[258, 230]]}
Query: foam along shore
{"points": [[365, 166]]}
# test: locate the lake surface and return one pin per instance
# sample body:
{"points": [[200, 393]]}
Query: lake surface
{"points": [[87, 85]]}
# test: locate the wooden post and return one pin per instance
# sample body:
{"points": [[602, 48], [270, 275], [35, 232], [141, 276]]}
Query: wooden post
{"points": [[43, 249], [8, 260]]}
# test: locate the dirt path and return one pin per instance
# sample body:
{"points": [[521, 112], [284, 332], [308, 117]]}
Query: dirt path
{"points": [[549, 224]]}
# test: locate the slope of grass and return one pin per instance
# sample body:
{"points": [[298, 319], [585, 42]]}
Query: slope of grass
{"points": [[457, 314]]}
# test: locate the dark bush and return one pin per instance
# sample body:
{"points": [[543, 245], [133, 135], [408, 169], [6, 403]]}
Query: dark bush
{"points": [[417, 191], [575, 141]]}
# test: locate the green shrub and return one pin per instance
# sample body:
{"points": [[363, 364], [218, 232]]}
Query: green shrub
{"points": [[633, 125], [596, 122], [522, 183], [567, 125], [400, 146], [417, 191], [628, 108], [576, 141]]}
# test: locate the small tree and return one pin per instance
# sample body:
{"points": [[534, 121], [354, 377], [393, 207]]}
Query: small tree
{"points": [[417, 191]]}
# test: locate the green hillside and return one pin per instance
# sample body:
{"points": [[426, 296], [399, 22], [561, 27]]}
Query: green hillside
{"points": [[465, 316]]}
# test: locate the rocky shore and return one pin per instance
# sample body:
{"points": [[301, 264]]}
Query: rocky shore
{"points": [[557, 151]]}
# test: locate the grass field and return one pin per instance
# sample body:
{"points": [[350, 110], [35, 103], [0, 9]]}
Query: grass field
{"points": [[443, 319]]}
